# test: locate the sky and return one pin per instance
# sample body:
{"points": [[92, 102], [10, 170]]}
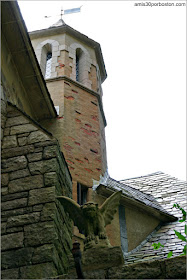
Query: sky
{"points": [[144, 95]]}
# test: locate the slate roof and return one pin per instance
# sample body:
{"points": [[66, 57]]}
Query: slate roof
{"points": [[167, 190], [135, 194]]}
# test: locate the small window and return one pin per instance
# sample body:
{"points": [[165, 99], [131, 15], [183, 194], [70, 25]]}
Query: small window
{"points": [[81, 194], [48, 65], [123, 229], [77, 68], [79, 65]]}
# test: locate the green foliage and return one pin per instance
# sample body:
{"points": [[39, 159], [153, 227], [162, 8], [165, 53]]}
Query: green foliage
{"points": [[157, 245], [178, 234], [170, 254], [183, 212]]}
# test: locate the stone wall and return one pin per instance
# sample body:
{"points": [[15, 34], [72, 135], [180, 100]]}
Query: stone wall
{"points": [[174, 268], [36, 232]]}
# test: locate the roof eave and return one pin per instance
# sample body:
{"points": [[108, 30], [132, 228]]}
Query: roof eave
{"points": [[125, 200], [42, 92]]}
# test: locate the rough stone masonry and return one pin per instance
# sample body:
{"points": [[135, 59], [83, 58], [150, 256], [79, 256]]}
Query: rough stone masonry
{"points": [[36, 232]]}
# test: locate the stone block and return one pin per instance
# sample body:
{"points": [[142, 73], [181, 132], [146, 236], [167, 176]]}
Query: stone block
{"points": [[39, 271], [16, 258], [63, 47], [42, 195], [4, 190], [37, 136], [16, 212], [12, 152], [43, 253], [39, 234], [45, 143], [56, 53], [50, 179], [19, 120], [12, 204], [100, 258], [25, 219], [3, 228], [13, 164], [26, 183], [13, 112], [41, 167], [34, 157], [9, 142], [48, 211], [4, 179], [11, 241], [10, 273], [176, 268], [14, 229], [3, 121], [3, 107], [37, 208], [14, 196], [22, 141], [23, 135], [19, 129], [19, 174], [50, 152]]}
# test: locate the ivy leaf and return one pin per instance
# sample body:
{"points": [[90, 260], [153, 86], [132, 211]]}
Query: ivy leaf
{"points": [[170, 254], [183, 220], [157, 245], [185, 229], [182, 210], [184, 250], [180, 236]]}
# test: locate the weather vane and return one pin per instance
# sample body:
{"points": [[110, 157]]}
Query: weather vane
{"points": [[67, 11]]}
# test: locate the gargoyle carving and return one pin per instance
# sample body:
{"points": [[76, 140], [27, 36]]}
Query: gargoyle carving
{"points": [[91, 218]]}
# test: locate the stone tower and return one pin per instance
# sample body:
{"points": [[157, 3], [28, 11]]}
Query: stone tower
{"points": [[73, 67]]}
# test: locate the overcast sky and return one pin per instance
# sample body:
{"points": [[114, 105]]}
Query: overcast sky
{"points": [[144, 49]]}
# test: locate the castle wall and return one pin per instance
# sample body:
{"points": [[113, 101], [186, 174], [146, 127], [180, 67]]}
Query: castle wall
{"points": [[36, 232], [173, 268]]}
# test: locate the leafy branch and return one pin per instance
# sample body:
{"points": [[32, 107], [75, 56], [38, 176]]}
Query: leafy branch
{"points": [[178, 234]]}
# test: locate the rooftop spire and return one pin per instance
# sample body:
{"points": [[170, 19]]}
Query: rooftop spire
{"points": [[60, 22]]}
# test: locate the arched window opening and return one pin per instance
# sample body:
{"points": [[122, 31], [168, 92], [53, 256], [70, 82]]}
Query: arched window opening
{"points": [[46, 60], [48, 65], [123, 229], [79, 65]]}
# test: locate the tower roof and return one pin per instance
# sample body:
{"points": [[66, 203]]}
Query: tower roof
{"points": [[60, 22]]}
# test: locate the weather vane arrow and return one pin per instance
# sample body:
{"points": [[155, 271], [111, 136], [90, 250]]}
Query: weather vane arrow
{"points": [[67, 12]]}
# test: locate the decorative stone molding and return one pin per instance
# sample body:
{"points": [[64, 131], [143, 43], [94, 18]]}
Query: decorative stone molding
{"points": [[55, 48], [85, 64]]}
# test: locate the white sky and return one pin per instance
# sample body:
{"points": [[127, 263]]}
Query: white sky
{"points": [[144, 50]]}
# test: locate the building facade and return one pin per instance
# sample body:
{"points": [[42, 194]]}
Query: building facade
{"points": [[53, 143]]}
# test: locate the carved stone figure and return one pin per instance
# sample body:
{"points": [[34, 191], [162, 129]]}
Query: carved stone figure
{"points": [[92, 219]]}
